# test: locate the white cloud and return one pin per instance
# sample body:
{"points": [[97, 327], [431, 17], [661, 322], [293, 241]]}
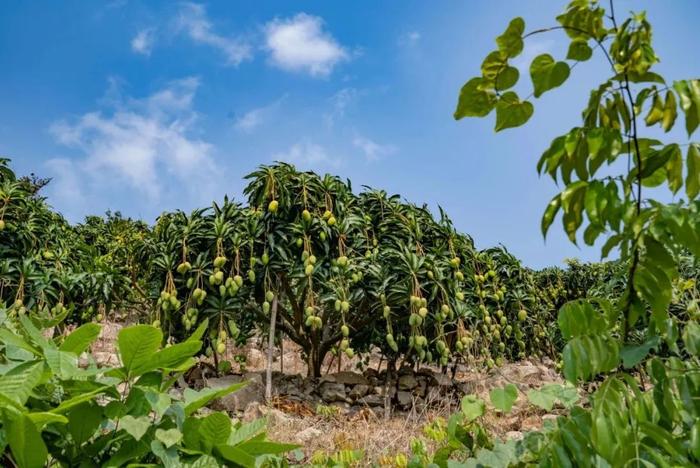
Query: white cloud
{"points": [[250, 120], [371, 149], [409, 39], [192, 19], [307, 155], [339, 103], [142, 43], [300, 44], [65, 187], [143, 143], [258, 116]]}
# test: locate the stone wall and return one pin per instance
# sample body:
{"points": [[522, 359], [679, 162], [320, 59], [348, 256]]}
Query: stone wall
{"points": [[407, 389]]}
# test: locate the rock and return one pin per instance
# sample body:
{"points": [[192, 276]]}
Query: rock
{"points": [[275, 416], [549, 417], [407, 382], [332, 391], [308, 434], [379, 390], [530, 423], [515, 435], [256, 359], [289, 385], [370, 373], [422, 388], [252, 412], [371, 400], [238, 400], [404, 399], [358, 391], [433, 395], [466, 388], [441, 380], [254, 378], [345, 378]]}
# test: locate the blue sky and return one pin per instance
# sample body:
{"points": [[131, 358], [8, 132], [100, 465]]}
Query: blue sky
{"points": [[149, 106]]}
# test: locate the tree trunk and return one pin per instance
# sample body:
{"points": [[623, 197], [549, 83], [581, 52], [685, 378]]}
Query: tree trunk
{"points": [[387, 395], [281, 353], [314, 362], [270, 346]]}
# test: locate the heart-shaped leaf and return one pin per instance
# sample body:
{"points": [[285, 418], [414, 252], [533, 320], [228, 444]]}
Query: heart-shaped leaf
{"points": [[511, 112], [546, 73]]}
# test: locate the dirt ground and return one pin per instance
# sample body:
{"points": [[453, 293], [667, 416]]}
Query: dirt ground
{"points": [[328, 431]]}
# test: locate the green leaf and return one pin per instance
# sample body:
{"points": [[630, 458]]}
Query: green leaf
{"points": [[670, 112], [247, 431], [264, 447], [35, 334], [692, 179], [63, 364], [137, 344], [549, 213], [136, 427], [492, 66], [674, 169], [169, 437], [236, 455], [547, 396], [691, 338], [547, 74], [18, 383], [78, 399], [199, 332], [511, 41], [81, 338], [689, 96], [507, 78], [511, 112], [160, 402], [28, 448], [215, 429], [656, 111], [168, 456], [42, 419], [195, 400], [10, 338], [168, 358], [579, 50], [472, 407], [578, 318], [503, 398], [83, 422], [475, 100], [634, 354]]}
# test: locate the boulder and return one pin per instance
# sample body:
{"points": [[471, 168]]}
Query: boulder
{"points": [[332, 391], [358, 391], [441, 380], [345, 378], [256, 358], [404, 399], [466, 388], [421, 388], [407, 382], [371, 400], [238, 400]]}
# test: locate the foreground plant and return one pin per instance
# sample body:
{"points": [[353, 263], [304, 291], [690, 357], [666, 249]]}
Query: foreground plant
{"points": [[639, 338], [56, 412]]}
